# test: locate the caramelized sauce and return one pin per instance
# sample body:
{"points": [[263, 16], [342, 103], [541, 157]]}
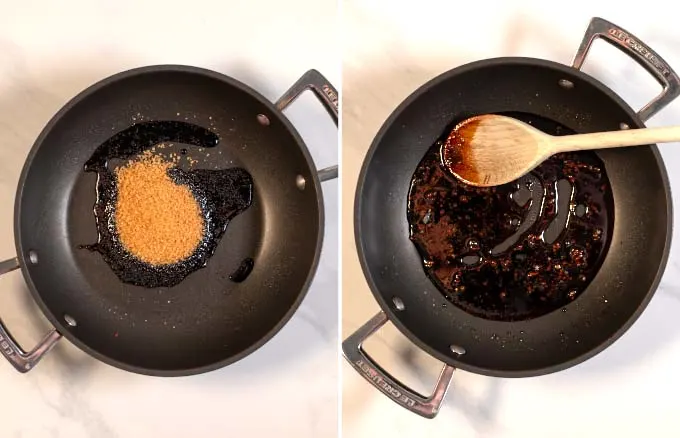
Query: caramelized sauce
{"points": [[516, 251], [456, 157]]}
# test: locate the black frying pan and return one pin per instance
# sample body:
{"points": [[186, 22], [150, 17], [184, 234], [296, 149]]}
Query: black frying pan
{"points": [[207, 321], [394, 269]]}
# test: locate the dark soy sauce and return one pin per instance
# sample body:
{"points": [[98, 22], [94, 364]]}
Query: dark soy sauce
{"points": [[221, 194], [243, 271], [516, 251]]}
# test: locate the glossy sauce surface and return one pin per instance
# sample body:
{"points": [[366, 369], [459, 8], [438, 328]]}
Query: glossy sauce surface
{"points": [[516, 251]]}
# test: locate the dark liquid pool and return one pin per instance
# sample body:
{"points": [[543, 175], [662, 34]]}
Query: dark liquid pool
{"points": [[516, 251], [243, 270], [222, 195]]}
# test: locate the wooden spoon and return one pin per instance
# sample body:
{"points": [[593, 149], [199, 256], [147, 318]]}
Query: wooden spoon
{"points": [[491, 150]]}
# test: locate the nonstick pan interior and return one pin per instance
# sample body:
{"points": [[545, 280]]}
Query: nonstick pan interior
{"points": [[618, 293], [207, 320]]}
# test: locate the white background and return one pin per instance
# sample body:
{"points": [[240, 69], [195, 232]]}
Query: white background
{"points": [[630, 389], [50, 51]]}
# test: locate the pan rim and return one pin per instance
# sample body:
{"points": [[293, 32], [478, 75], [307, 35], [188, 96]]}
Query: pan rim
{"points": [[385, 306], [22, 256]]}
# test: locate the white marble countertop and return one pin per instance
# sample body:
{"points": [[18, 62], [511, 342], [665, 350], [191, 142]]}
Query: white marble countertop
{"points": [[630, 389], [49, 51]]}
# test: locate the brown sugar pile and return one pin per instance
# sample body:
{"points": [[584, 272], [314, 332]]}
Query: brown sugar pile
{"points": [[158, 221]]}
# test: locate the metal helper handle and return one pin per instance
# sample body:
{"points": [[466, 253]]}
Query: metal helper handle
{"points": [[427, 407], [641, 53], [21, 360], [326, 93]]}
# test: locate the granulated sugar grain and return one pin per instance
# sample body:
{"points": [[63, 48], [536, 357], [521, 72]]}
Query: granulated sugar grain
{"points": [[158, 221]]}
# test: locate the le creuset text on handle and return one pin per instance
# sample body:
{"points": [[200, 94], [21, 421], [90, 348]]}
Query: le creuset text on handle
{"points": [[427, 407], [326, 93], [639, 52]]}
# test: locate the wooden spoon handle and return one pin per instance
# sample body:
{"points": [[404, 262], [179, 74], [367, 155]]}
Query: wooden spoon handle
{"points": [[602, 140]]}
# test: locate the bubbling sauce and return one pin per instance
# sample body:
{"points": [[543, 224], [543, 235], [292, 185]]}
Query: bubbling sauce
{"points": [[516, 251]]}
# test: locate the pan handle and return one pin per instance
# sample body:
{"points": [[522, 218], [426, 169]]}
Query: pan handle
{"points": [[327, 95], [641, 53], [21, 360], [427, 407]]}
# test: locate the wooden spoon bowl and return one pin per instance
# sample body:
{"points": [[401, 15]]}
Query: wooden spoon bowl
{"points": [[492, 150]]}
